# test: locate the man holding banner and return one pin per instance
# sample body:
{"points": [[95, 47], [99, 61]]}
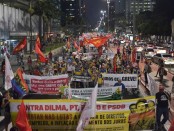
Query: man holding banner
{"points": [[162, 101], [123, 88]]}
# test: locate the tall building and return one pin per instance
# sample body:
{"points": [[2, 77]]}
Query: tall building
{"points": [[70, 12], [112, 12], [142, 5], [56, 22], [120, 6], [120, 13], [82, 4]]}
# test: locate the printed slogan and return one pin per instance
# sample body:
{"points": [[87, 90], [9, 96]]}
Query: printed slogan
{"points": [[50, 115]]}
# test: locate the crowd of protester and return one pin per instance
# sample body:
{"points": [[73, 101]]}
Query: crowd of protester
{"points": [[79, 64]]}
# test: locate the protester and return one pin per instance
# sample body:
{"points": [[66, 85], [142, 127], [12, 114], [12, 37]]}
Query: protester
{"points": [[70, 68], [100, 80], [161, 73], [2, 51], [136, 70], [161, 64], [6, 106], [1, 99], [14, 128], [29, 62], [50, 55], [173, 84], [3, 71], [123, 88], [146, 66], [92, 69], [171, 116], [162, 102]]}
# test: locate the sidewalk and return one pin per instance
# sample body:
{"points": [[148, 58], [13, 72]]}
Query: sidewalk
{"points": [[167, 84]]}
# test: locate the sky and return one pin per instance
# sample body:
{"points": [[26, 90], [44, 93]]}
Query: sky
{"points": [[93, 8]]}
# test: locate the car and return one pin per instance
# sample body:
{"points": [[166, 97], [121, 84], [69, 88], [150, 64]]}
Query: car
{"points": [[149, 52], [139, 48], [166, 58], [159, 49]]}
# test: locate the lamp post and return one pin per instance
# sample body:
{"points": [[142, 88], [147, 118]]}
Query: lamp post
{"points": [[103, 12], [133, 22], [30, 10], [108, 2]]}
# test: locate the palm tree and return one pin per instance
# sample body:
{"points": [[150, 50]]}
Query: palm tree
{"points": [[46, 10]]}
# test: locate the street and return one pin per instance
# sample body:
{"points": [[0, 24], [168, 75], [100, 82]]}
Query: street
{"points": [[91, 63]]}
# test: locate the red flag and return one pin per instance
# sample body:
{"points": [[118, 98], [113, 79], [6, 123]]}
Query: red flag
{"points": [[22, 119], [97, 41], [20, 46], [76, 46], [81, 43], [134, 55], [40, 54], [85, 41], [38, 42]]}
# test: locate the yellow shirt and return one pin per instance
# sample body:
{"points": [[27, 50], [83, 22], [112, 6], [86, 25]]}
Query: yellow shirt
{"points": [[100, 80]]}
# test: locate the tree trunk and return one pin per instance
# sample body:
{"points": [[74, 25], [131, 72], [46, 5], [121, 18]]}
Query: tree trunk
{"points": [[40, 27]]}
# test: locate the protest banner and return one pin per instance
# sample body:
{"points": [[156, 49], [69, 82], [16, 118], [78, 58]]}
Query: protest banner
{"points": [[129, 80], [46, 84], [50, 115], [104, 93]]}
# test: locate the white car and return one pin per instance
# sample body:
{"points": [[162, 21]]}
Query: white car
{"points": [[149, 52], [166, 58]]}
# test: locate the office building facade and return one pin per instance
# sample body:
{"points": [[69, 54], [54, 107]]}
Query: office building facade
{"points": [[140, 6], [70, 12]]}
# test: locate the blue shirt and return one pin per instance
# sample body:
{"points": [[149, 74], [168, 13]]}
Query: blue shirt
{"points": [[122, 85]]}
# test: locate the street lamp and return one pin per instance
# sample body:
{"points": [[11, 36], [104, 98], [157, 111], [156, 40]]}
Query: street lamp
{"points": [[103, 12], [108, 2]]}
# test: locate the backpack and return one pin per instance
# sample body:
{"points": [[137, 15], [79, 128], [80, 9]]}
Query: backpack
{"points": [[149, 69], [165, 72]]}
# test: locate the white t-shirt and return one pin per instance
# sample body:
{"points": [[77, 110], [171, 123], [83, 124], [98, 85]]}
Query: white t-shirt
{"points": [[70, 67]]}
